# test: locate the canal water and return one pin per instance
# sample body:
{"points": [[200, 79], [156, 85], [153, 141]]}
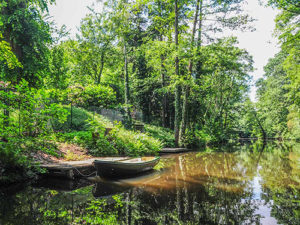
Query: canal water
{"points": [[253, 183]]}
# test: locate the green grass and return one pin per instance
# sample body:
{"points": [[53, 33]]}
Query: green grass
{"points": [[77, 122], [134, 143], [80, 120], [119, 141], [165, 135]]}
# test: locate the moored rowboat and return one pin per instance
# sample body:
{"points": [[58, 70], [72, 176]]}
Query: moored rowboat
{"points": [[125, 167]]}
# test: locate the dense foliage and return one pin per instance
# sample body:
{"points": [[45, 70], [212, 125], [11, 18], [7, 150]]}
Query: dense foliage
{"points": [[165, 60], [129, 47], [278, 105], [99, 142], [28, 34]]}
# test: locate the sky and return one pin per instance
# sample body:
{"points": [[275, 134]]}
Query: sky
{"points": [[260, 43]]}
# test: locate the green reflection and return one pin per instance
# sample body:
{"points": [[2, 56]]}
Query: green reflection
{"points": [[247, 184]]}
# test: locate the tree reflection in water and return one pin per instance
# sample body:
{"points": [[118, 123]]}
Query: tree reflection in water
{"points": [[208, 187]]}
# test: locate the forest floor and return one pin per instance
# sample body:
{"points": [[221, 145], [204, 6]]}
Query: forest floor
{"points": [[65, 152]]}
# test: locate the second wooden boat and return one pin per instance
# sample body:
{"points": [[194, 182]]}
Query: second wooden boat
{"points": [[127, 167]]}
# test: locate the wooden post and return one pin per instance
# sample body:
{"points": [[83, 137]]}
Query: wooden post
{"points": [[71, 115], [139, 127], [107, 130], [95, 136]]}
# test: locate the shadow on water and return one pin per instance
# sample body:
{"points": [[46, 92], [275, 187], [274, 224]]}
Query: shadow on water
{"points": [[247, 184], [61, 184]]}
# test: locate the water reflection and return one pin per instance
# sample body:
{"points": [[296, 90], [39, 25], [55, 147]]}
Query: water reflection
{"points": [[250, 184]]}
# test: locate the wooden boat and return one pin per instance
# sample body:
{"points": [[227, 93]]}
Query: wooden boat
{"points": [[125, 167]]}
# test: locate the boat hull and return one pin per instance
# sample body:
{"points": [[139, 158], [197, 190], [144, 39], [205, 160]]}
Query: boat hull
{"points": [[123, 168]]}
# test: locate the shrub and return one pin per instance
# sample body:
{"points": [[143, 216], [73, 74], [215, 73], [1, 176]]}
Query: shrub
{"points": [[16, 157], [134, 143], [12, 155], [92, 95], [118, 142], [190, 140], [205, 137], [70, 156], [77, 120], [81, 138], [34, 109], [81, 120], [97, 147], [165, 135]]}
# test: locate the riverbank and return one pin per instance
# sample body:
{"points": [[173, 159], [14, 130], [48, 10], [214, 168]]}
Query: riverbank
{"points": [[86, 137], [86, 168]]}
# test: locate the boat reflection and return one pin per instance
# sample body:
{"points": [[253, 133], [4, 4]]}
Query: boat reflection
{"points": [[61, 184], [255, 185], [105, 187], [214, 188]]}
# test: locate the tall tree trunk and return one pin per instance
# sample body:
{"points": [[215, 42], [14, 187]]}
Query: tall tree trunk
{"points": [[8, 39], [101, 68], [165, 117], [177, 87], [163, 84], [127, 93], [187, 87], [6, 113], [261, 127], [199, 41]]}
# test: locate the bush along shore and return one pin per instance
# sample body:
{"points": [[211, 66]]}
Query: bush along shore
{"points": [[40, 130], [149, 61]]}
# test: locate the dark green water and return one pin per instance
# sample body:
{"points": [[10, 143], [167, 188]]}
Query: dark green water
{"points": [[245, 184]]}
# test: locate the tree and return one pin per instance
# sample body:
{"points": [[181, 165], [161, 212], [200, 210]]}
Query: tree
{"points": [[7, 56], [189, 76], [272, 102], [211, 17], [287, 30], [95, 45], [284, 4], [278, 93], [58, 77], [153, 51], [223, 86], [121, 25], [25, 29], [177, 87]]}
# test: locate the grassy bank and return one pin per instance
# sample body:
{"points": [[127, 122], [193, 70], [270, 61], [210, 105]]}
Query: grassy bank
{"points": [[88, 130], [82, 136]]}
